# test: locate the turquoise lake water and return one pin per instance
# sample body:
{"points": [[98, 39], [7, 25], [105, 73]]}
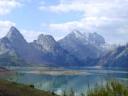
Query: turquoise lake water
{"points": [[79, 82]]}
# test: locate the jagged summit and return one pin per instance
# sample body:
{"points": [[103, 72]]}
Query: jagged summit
{"points": [[83, 45], [13, 31], [14, 35], [12, 28], [86, 37], [45, 38], [78, 48], [45, 42], [76, 32]]}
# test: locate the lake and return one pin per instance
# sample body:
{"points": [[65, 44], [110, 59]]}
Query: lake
{"points": [[60, 79]]}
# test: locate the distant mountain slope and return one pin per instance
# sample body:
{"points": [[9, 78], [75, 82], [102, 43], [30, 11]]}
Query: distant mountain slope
{"points": [[54, 52], [14, 45], [85, 46], [15, 50], [8, 56], [75, 49], [116, 58]]}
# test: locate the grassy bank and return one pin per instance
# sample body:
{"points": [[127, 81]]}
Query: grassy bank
{"points": [[14, 89], [111, 88]]}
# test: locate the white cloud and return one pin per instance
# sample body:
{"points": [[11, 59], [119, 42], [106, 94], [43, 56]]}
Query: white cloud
{"points": [[63, 6], [103, 16], [87, 24], [63, 27], [6, 6], [90, 6]]}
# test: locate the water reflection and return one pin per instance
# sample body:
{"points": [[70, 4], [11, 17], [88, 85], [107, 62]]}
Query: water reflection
{"points": [[65, 79]]}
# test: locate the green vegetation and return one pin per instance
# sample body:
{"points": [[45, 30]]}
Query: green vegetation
{"points": [[69, 93], [14, 89], [111, 88]]}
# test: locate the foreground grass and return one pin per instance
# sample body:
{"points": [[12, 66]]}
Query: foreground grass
{"points": [[14, 89], [111, 88]]}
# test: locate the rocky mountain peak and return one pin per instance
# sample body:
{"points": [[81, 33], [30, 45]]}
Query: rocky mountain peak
{"points": [[45, 38], [85, 37], [45, 42], [14, 35], [13, 32], [77, 33]]}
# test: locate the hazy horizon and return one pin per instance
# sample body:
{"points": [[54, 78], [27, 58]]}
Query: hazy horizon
{"points": [[116, 44], [59, 17]]}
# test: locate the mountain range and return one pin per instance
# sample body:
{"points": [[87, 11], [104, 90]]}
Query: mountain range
{"points": [[75, 49]]}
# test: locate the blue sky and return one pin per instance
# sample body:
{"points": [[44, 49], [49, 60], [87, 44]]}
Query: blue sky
{"points": [[59, 17]]}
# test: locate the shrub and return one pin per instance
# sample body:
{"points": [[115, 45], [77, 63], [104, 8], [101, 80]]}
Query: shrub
{"points": [[32, 86]]}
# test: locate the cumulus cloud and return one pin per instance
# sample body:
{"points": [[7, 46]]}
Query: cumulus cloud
{"points": [[88, 6], [103, 16], [6, 6]]}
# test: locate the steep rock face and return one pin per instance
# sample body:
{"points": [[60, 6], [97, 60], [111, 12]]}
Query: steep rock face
{"points": [[46, 43], [83, 45], [8, 56], [15, 36], [116, 58], [17, 42], [54, 52], [76, 49], [14, 44], [15, 50], [5, 46]]}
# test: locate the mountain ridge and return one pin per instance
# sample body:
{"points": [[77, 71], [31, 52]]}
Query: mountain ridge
{"points": [[51, 53], [80, 45], [75, 49]]}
